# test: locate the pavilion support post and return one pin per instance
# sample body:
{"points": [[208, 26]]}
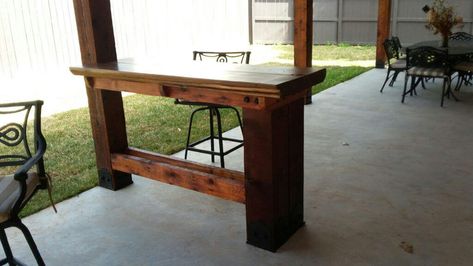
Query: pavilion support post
{"points": [[274, 172], [303, 35], [97, 45], [384, 23]]}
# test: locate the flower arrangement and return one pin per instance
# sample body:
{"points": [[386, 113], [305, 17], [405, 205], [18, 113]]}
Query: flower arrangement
{"points": [[441, 18]]}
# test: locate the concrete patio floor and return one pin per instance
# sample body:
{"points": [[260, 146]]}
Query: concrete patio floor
{"points": [[381, 177]]}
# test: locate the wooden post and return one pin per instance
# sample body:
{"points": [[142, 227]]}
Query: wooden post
{"points": [[97, 45], [384, 22], [303, 28], [274, 172]]}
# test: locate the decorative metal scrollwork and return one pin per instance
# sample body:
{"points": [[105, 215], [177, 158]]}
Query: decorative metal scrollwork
{"points": [[11, 134], [223, 57], [461, 36], [427, 57], [390, 49]]}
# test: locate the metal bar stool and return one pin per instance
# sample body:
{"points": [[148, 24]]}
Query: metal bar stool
{"points": [[214, 111]]}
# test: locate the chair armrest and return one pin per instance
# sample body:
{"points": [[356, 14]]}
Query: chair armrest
{"points": [[22, 172]]}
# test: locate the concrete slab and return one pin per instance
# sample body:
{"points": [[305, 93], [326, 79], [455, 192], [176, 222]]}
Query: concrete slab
{"points": [[380, 177]]}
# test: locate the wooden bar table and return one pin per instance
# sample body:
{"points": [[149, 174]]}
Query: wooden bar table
{"points": [[272, 99]]}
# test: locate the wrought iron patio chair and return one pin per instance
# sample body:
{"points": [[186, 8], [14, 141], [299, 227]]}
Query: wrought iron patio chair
{"points": [[401, 55], [465, 72], [16, 155], [395, 65], [464, 68], [427, 62], [214, 110], [461, 36]]}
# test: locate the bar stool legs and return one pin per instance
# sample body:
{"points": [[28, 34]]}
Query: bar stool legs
{"points": [[213, 111]]}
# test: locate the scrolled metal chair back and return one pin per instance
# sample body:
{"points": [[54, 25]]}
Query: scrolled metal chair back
{"points": [[398, 45], [397, 42], [223, 57], [391, 50], [461, 36], [426, 56], [14, 134]]}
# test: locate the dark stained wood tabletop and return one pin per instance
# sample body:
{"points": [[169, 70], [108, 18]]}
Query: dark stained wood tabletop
{"points": [[274, 82]]}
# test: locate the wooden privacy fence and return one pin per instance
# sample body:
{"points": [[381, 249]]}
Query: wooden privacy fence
{"points": [[348, 21], [36, 34], [40, 34]]}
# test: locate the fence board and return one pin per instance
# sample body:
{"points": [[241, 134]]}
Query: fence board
{"points": [[353, 21]]}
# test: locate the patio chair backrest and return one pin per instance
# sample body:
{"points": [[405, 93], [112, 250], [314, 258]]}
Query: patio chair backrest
{"points": [[398, 44], [396, 41], [469, 57], [391, 50], [461, 36], [426, 56], [223, 57], [15, 138]]}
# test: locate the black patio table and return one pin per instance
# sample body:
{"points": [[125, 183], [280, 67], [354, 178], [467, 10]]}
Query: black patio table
{"points": [[458, 50]]}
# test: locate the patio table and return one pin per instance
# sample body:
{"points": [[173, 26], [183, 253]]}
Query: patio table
{"points": [[272, 99], [457, 50]]}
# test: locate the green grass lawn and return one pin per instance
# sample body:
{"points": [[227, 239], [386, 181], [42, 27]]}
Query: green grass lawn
{"points": [[153, 123], [332, 52]]}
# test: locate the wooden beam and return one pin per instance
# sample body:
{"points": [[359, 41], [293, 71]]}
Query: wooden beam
{"points": [[209, 169], [274, 172], [97, 45], [303, 35], [210, 180], [95, 31], [384, 23], [194, 94]]}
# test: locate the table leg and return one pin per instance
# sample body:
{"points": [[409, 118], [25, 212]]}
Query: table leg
{"points": [[109, 133], [274, 173]]}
